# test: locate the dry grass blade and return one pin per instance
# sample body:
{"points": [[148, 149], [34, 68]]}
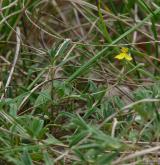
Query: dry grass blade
{"points": [[135, 155], [14, 61]]}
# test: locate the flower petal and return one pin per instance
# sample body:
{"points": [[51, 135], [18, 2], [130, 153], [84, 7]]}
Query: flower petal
{"points": [[124, 50], [120, 56], [128, 57]]}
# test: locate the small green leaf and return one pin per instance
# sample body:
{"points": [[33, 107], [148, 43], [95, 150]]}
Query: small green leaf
{"points": [[43, 98], [26, 159], [47, 159]]}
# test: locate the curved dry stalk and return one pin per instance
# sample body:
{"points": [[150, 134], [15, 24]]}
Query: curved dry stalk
{"points": [[140, 101], [136, 154], [14, 61], [10, 5]]}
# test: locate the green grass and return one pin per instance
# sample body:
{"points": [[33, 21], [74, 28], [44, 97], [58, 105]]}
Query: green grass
{"points": [[64, 98]]}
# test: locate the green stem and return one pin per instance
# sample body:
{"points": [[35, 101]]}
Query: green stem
{"points": [[105, 31]]}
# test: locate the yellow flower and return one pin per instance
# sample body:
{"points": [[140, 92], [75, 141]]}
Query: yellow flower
{"points": [[124, 55]]}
